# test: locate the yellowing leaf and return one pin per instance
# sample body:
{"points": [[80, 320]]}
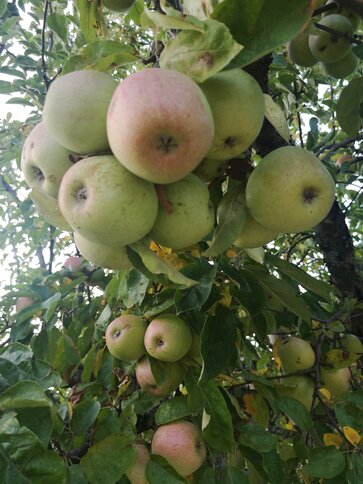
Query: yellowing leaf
{"points": [[332, 439], [167, 254], [289, 425], [326, 393], [275, 351], [352, 435], [250, 404], [226, 297]]}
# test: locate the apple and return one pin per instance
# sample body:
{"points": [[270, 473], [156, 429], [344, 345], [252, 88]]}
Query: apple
{"points": [[168, 338], [290, 190], [106, 203], [342, 68], [300, 388], [136, 472], [174, 376], [254, 234], [191, 217], [299, 52], [125, 337], [109, 256], [353, 17], [73, 263], [49, 209], [238, 108], [181, 444], [326, 47], [23, 302], [75, 110], [118, 5], [336, 381], [209, 169], [44, 161], [295, 354], [353, 344], [159, 125]]}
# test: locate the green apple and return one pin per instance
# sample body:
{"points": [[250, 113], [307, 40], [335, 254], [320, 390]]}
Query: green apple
{"points": [[44, 161], [336, 381], [73, 263], [118, 5], [342, 68], [174, 376], [75, 110], [299, 52], [353, 17], [254, 234], [191, 217], [325, 46], [106, 203], [295, 354], [49, 209], [136, 472], [125, 337], [181, 444], [353, 344], [290, 190], [159, 125], [23, 302], [238, 108], [300, 388], [168, 338], [209, 169]]}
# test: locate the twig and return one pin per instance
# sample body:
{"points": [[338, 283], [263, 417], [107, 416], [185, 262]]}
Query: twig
{"points": [[324, 8], [355, 39], [335, 146], [352, 201], [294, 244], [44, 65], [10, 190], [298, 115]]}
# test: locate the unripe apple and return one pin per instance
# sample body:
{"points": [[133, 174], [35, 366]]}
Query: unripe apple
{"points": [[73, 263], [136, 473], [342, 68], [49, 209], [353, 344], [209, 169], [181, 444], [191, 217], [44, 161], [325, 46], [300, 388], [108, 256], [159, 125], [106, 203], [168, 338], [353, 17], [299, 52], [254, 235], [174, 376], [295, 354], [336, 381], [290, 190], [118, 6], [125, 337], [75, 110], [23, 302], [238, 108]]}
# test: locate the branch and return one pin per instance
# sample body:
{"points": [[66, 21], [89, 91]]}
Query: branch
{"points": [[10, 190], [355, 39], [44, 65]]}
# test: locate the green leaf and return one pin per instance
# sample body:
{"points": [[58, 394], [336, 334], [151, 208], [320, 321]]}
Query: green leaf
{"points": [[296, 412], [200, 55], [262, 25], [84, 415], [349, 107], [253, 435], [51, 305], [257, 254], [196, 296], [76, 475], [7, 87], [231, 217], [355, 469], [24, 394], [233, 475], [326, 462], [91, 20], [276, 116], [172, 20], [38, 420], [171, 410], [132, 288], [158, 471], [66, 354], [58, 23], [3, 6]]}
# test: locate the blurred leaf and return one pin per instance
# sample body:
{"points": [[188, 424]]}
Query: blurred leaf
{"points": [[257, 254], [132, 288], [38, 420], [91, 20], [84, 415], [256, 406], [354, 469], [336, 358], [158, 471], [51, 305], [296, 412], [276, 116], [326, 462], [255, 436], [58, 23], [24, 394], [273, 466], [333, 439], [172, 20], [349, 107], [195, 296], [66, 354], [3, 5], [76, 475], [233, 475], [171, 410]]}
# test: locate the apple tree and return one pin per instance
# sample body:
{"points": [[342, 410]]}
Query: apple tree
{"points": [[181, 234]]}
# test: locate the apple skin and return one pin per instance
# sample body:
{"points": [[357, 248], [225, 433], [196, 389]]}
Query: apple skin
{"points": [[290, 190], [299, 387], [125, 337], [254, 235], [106, 203], [75, 110], [336, 381], [238, 108], [192, 216], [174, 376], [159, 125], [168, 338], [136, 473], [118, 5], [353, 17], [44, 161], [342, 68], [299, 52], [49, 209], [295, 355], [181, 444], [353, 344], [23, 302], [325, 47], [73, 263]]}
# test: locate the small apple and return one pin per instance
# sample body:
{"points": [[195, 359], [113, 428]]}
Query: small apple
{"points": [[336, 381], [300, 388], [118, 5], [209, 169], [343, 67], [168, 338], [73, 263], [125, 337], [174, 376], [299, 52], [254, 234], [353, 344], [353, 17], [23, 302], [290, 190], [49, 209], [295, 354], [106, 203], [181, 444], [136, 473], [159, 125]]}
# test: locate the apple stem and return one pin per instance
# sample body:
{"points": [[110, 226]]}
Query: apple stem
{"points": [[163, 201]]}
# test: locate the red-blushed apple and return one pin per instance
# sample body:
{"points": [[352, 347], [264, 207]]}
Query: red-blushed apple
{"points": [[299, 52], [351, 343], [49, 209], [299, 387], [336, 381], [118, 6], [295, 354], [136, 473], [75, 110], [106, 203], [159, 125], [168, 338], [125, 337], [23, 302], [73, 263], [174, 374], [181, 444]]}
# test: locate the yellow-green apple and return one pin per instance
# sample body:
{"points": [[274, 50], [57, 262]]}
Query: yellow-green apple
{"points": [[188, 215], [353, 344], [125, 337], [109, 256], [49, 209], [327, 47], [118, 5], [353, 17], [159, 125], [254, 234], [168, 338], [75, 110], [73, 263], [238, 108], [136, 472], [44, 161], [181, 444], [209, 169], [290, 190], [174, 374], [299, 52], [23, 302], [295, 354], [300, 388], [336, 381], [342, 68], [106, 203]]}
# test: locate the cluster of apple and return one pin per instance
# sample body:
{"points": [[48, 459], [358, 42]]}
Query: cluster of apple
{"points": [[334, 51]]}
